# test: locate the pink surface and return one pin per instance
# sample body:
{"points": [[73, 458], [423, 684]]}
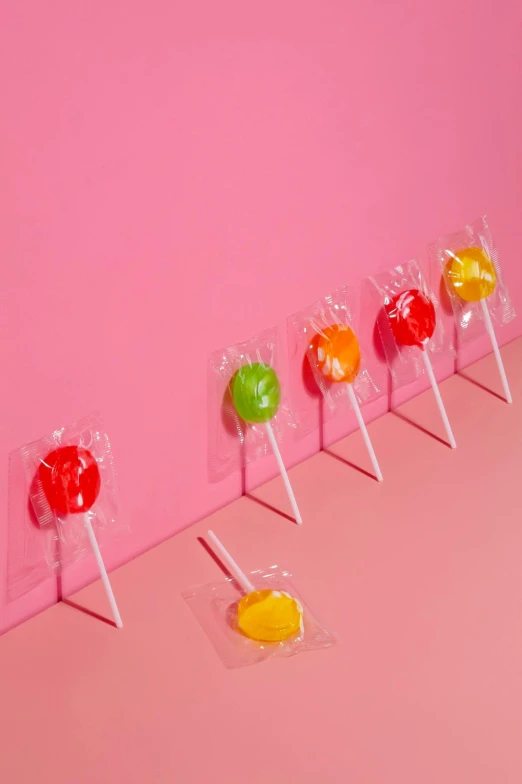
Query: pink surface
{"points": [[206, 169], [419, 576]]}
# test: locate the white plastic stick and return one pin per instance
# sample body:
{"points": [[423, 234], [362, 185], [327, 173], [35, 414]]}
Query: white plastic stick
{"points": [[286, 480], [438, 398], [496, 350], [234, 569], [103, 571], [364, 431]]}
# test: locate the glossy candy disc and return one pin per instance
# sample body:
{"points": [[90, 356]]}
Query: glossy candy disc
{"points": [[412, 318], [256, 392], [338, 353], [269, 616], [70, 479], [472, 274]]}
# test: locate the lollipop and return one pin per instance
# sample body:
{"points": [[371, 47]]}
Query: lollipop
{"points": [[266, 615], [473, 277], [71, 483], [338, 353], [412, 319], [338, 357], [472, 274], [256, 394]]}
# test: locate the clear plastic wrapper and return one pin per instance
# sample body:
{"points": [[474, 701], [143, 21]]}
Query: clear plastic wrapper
{"points": [[244, 383], [216, 608], [47, 538], [389, 288], [305, 330], [471, 277]]}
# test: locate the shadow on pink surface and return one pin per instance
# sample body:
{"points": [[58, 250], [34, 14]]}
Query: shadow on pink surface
{"points": [[270, 507], [420, 427], [87, 611], [350, 464], [217, 560], [480, 385]]}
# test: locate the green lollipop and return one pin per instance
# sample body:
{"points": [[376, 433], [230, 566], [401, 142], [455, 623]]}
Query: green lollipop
{"points": [[256, 392]]}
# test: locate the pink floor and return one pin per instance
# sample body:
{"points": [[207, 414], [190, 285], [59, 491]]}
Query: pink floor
{"points": [[420, 578]]}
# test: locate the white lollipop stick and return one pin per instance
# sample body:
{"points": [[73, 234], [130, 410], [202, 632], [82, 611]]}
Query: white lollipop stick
{"points": [[103, 571], [233, 568], [364, 431], [282, 469], [496, 350], [438, 398]]}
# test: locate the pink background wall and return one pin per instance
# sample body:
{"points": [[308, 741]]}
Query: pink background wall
{"points": [[178, 176]]}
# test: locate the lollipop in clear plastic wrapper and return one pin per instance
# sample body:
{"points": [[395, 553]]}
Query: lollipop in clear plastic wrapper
{"points": [[249, 415], [71, 481], [256, 394], [263, 615], [410, 328], [412, 318], [411, 315], [473, 278], [335, 349], [338, 353], [472, 275], [251, 617], [327, 339]]}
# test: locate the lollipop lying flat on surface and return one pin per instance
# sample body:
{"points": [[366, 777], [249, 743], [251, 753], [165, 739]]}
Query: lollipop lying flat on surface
{"points": [[412, 319], [256, 394], [338, 357], [71, 483], [269, 616], [265, 615], [472, 275]]}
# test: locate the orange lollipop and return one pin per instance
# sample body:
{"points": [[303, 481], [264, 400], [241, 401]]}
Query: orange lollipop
{"points": [[338, 353], [338, 357]]}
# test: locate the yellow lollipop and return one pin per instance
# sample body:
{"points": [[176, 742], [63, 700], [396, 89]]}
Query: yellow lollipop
{"points": [[473, 278], [267, 615], [472, 274]]}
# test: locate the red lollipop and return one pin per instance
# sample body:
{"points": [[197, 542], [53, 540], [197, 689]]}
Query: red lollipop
{"points": [[70, 479], [412, 318], [71, 483]]}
